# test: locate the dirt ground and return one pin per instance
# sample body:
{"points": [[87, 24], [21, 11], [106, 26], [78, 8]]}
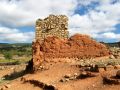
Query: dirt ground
{"points": [[57, 76]]}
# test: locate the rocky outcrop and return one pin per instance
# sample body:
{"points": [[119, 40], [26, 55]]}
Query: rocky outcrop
{"points": [[77, 46]]}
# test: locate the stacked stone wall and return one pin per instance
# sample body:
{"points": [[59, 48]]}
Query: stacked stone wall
{"points": [[54, 25]]}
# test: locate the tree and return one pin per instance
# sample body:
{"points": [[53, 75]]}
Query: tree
{"points": [[119, 43]]}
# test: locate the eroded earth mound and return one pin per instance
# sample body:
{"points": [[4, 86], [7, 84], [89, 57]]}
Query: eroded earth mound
{"points": [[77, 46]]}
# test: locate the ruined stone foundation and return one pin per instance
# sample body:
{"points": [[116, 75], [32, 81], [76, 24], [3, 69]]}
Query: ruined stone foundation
{"points": [[77, 46]]}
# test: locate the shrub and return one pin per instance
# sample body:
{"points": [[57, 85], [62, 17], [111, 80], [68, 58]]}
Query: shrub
{"points": [[8, 55]]}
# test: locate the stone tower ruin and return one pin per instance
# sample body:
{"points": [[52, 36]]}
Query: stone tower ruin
{"points": [[53, 25]]}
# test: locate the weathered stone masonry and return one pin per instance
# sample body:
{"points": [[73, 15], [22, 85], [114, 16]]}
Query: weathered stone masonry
{"points": [[54, 25]]}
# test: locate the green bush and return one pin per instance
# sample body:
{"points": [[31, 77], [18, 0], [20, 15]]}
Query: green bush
{"points": [[8, 55]]}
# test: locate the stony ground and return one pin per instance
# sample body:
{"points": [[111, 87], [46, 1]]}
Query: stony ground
{"points": [[65, 74]]}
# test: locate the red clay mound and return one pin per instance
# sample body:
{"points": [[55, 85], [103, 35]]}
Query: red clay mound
{"points": [[77, 46], [80, 46]]}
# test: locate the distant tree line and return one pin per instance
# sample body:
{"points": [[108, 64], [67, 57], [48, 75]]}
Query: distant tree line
{"points": [[8, 50]]}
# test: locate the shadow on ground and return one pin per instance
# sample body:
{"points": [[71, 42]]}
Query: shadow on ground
{"points": [[14, 75]]}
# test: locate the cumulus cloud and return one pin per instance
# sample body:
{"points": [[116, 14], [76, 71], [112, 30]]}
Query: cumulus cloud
{"points": [[102, 19], [97, 22], [12, 15], [15, 35], [110, 35], [93, 22], [85, 2], [25, 12]]}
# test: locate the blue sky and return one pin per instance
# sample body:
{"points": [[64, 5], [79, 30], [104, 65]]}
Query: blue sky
{"points": [[98, 18]]}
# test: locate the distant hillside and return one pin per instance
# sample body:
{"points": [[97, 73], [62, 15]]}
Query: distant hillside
{"points": [[16, 49], [115, 44], [7, 45]]}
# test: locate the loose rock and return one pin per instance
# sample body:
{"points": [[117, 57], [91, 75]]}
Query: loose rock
{"points": [[118, 74]]}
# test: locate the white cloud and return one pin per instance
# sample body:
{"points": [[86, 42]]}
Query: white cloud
{"points": [[86, 2], [15, 35], [25, 12], [12, 15], [102, 19], [108, 36], [91, 23]]}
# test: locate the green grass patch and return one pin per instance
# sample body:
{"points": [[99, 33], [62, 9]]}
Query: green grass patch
{"points": [[7, 61], [14, 61]]}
